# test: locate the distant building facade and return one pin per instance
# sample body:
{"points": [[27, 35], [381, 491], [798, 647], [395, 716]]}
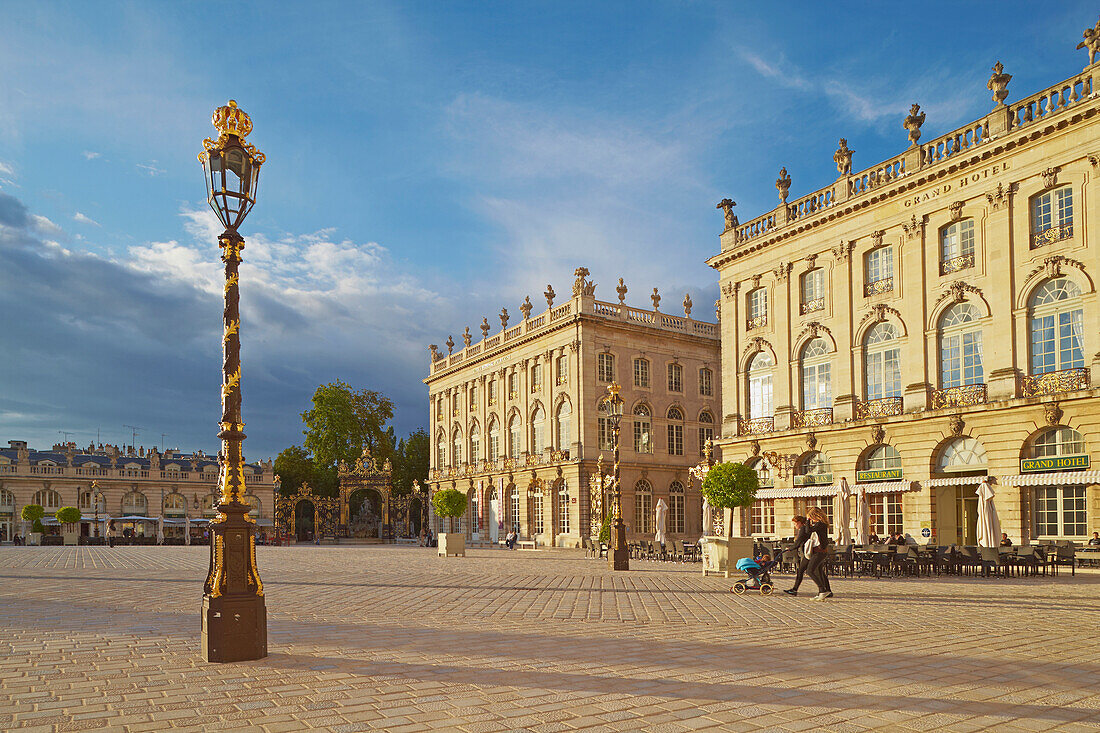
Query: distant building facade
{"points": [[134, 483], [517, 425], [926, 322]]}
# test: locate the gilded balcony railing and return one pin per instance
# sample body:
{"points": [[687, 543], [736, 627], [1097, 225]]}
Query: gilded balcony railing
{"points": [[1066, 380], [755, 425], [756, 322], [882, 407], [962, 396], [813, 418], [817, 304], [962, 262], [1050, 235], [876, 287]]}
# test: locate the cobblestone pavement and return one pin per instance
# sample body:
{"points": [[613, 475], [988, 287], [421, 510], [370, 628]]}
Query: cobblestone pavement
{"points": [[394, 638]]}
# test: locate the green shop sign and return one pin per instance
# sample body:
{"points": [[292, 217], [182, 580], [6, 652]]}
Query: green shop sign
{"points": [[1054, 463], [882, 474], [813, 479]]}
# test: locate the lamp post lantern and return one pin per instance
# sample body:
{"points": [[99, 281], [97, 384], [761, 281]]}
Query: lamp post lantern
{"points": [[619, 557], [234, 616]]}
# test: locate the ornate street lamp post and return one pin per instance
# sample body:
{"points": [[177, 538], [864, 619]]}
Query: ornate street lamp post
{"points": [[619, 556], [234, 617], [97, 499]]}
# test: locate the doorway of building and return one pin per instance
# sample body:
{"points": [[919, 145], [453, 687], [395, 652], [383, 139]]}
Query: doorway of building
{"points": [[966, 512]]}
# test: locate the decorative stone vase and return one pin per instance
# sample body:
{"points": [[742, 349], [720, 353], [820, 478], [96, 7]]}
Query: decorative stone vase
{"points": [[452, 543], [720, 554], [71, 533]]}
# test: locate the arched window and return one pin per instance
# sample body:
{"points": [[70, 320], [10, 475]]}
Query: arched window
{"points": [[134, 503], [475, 443], [814, 469], [1052, 216], [563, 507], [175, 505], [706, 430], [676, 512], [882, 362], [675, 432], [565, 415], [817, 386], [441, 450], [962, 454], [515, 442], [1056, 327], [86, 501], [643, 507], [643, 427], [494, 439], [513, 508], [47, 499], [961, 346], [538, 430], [456, 447], [957, 246], [7, 499], [882, 458], [761, 374], [1059, 441], [813, 291]]}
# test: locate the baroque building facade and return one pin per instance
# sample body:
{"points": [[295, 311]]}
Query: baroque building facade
{"points": [[131, 483], [926, 322], [518, 425]]}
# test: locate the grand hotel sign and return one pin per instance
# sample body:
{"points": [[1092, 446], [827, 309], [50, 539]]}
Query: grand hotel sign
{"points": [[1054, 463]]}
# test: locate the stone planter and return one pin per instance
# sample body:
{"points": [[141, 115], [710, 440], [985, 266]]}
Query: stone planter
{"points": [[72, 536], [34, 538], [720, 554], [451, 543]]}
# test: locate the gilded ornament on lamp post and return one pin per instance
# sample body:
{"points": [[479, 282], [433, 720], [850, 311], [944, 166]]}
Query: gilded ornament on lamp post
{"points": [[234, 615], [619, 556]]}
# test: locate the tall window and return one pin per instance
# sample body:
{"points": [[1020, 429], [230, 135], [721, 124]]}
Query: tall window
{"points": [[493, 391], [513, 508], [706, 382], [475, 512], [824, 503], [762, 517], [537, 510], [47, 499], [882, 458], [441, 450], [513, 385], [605, 437], [706, 429], [758, 308], [563, 369], [879, 271], [494, 439], [813, 291], [643, 426], [1057, 327], [675, 378], [957, 246], [563, 507], [643, 507], [85, 501], [515, 442], [676, 512], [1052, 216], [473, 395], [960, 346], [538, 430], [475, 443], [536, 378], [885, 513], [456, 447], [439, 407], [1060, 511], [882, 362], [565, 412], [605, 367], [134, 503], [761, 374], [641, 373], [817, 389], [675, 432]]}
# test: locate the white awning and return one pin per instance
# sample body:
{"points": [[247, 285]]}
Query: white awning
{"points": [[955, 481], [805, 492], [887, 487], [1051, 479]]}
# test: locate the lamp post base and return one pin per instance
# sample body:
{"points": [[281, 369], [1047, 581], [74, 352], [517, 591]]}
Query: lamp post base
{"points": [[234, 629], [619, 556]]}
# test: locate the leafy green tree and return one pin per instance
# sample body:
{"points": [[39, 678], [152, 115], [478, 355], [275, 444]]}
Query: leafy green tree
{"points": [[68, 515], [449, 503], [294, 467], [411, 461], [730, 485], [343, 421], [33, 513]]}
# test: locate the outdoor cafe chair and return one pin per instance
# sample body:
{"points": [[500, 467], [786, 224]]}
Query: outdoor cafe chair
{"points": [[1025, 560], [902, 560], [1065, 554], [991, 561]]}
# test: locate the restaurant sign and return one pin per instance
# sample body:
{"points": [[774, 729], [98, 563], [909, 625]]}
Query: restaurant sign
{"points": [[881, 474], [813, 479], [1054, 463]]}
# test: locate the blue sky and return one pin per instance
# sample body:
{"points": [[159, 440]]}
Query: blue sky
{"points": [[427, 164]]}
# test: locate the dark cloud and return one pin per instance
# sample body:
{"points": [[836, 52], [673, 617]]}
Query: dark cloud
{"points": [[12, 212]]}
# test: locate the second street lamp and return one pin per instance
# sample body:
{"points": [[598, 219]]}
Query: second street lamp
{"points": [[234, 616], [619, 557]]}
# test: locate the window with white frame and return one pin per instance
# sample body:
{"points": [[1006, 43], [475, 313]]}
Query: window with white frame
{"points": [[675, 432], [882, 458], [1056, 327], [1052, 216], [475, 512], [538, 430], [643, 429], [537, 510], [758, 308], [879, 270], [676, 513], [515, 440], [706, 430], [1058, 441], [493, 391], [456, 447], [536, 377], [762, 517], [817, 387], [563, 507], [1060, 511], [643, 507], [475, 443], [473, 395], [813, 291], [494, 439], [961, 346], [134, 502], [563, 368], [641, 373], [513, 509], [882, 362], [815, 469], [513, 385], [962, 454], [605, 367], [706, 382], [957, 246], [885, 512], [441, 450], [761, 375], [605, 436], [565, 416], [675, 378]]}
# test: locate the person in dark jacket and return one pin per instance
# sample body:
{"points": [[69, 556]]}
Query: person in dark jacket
{"points": [[801, 534], [815, 568]]}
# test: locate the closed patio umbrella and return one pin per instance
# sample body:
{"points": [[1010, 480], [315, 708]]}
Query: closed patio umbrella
{"points": [[662, 522], [844, 532], [186, 530], [160, 530], [989, 524], [708, 519], [863, 519]]}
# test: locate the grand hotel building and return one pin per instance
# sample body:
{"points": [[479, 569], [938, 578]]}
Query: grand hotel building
{"points": [[517, 422], [925, 322]]}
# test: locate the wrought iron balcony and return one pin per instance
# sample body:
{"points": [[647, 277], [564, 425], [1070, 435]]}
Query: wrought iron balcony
{"points": [[962, 396], [756, 425], [757, 322], [962, 262], [1050, 235], [1066, 380], [817, 304], [885, 285], [882, 407], [813, 418]]}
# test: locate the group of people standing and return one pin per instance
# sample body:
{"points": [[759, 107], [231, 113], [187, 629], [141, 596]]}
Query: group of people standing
{"points": [[811, 546]]}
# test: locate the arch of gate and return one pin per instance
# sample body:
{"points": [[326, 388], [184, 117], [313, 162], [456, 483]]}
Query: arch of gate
{"points": [[366, 474], [326, 512]]}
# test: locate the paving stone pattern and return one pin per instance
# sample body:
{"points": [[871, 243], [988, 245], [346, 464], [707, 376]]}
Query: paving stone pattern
{"points": [[396, 639]]}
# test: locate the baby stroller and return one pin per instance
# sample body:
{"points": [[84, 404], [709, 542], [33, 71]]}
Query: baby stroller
{"points": [[759, 578]]}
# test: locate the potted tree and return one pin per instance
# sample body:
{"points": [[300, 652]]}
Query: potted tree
{"points": [[69, 517], [449, 503], [728, 486], [33, 513]]}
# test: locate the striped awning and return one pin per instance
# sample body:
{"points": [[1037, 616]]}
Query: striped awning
{"points": [[805, 492], [955, 481], [1051, 479]]}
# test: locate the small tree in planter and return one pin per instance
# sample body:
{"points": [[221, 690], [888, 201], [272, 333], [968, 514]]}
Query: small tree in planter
{"points": [[450, 503], [69, 517], [729, 486], [33, 513]]}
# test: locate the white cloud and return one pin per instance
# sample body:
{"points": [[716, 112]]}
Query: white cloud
{"points": [[91, 155], [47, 227], [79, 217], [6, 170], [150, 168]]}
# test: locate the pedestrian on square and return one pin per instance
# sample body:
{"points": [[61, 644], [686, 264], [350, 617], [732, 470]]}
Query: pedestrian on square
{"points": [[817, 550], [112, 533], [801, 534]]}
